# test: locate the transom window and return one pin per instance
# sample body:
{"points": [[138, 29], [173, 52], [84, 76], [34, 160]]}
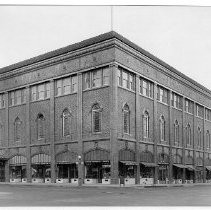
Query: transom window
{"points": [[96, 118], [146, 125], [126, 119]]}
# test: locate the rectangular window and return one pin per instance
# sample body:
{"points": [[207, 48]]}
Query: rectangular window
{"points": [[189, 106], [74, 84], [146, 88], [86, 80], [96, 121], [119, 76], [207, 114], [2, 101], [58, 87], [106, 76], [34, 93], [176, 100], [12, 98], [47, 90], [199, 111], [97, 78], [125, 82], [67, 85], [162, 95], [18, 97], [41, 92], [23, 95], [132, 82]]}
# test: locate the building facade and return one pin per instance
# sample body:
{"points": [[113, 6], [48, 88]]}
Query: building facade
{"points": [[99, 110]]}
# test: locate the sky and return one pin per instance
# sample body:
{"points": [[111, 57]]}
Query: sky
{"points": [[178, 35]]}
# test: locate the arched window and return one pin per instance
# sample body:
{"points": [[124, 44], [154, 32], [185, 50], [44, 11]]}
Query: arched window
{"points": [[208, 139], [126, 119], [199, 138], [17, 129], [176, 132], [96, 118], [162, 128], [40, 126], [66, 123], [1, 133], [188, 135], [146, 125]]}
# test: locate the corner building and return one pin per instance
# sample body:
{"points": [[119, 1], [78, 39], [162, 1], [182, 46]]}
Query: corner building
{"points": [[99, 110]]}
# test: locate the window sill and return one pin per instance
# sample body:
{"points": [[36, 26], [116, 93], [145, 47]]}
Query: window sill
{"points": [[133, 91], [151, 98], [95, 88], [39, 100], [162, 103], [57, 96]]}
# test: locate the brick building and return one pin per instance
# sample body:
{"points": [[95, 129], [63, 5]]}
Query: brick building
{"points": [[102, 108]]}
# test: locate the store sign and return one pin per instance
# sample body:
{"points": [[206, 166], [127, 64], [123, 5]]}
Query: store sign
{"points": [[106, 166]]}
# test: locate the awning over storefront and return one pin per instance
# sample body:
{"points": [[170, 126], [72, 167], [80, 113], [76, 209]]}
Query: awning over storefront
{"points": [[97, 154], [149, 164], [67, 157], [41, 159], [18, 160], [129, 163], [208, 168], [190, 167], [180, 166]]}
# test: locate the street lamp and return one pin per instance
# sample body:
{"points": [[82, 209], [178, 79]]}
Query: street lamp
{"points": [[80, 179]]}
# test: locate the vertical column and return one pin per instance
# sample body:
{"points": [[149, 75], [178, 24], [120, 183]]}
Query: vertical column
{"points": [[113, 101], [138, 125], [79, 130], [7, 177], [183, 139], [204, 148], [194, 140], [155, 133], [28, 136], [170, 141], [52, 132]]}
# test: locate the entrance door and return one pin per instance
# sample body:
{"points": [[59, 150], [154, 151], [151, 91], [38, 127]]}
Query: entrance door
{"points": [[2, 171]]}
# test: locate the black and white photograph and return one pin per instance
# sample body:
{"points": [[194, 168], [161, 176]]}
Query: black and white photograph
{"points": [[105, 105]]}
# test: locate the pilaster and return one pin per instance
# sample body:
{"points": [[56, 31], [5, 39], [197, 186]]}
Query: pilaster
{"points": [[183, 139], [114, 150], [171, 123]]}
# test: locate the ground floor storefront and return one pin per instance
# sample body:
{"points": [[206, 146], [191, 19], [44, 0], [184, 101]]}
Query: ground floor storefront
{"points": [[96, 168]]}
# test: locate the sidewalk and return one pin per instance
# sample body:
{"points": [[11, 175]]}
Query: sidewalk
{"points": [[103, 185]]}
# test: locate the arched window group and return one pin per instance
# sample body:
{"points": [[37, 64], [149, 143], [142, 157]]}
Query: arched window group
{"points": [[17, 129], [126, 119], [188, 135], [199, 137], [96, 118], [176, 132], [162, 128], [208, 139], [66, 123], [40, 126], [146, 125]]}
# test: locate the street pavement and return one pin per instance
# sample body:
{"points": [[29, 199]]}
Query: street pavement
{"points": [[36, 195]]}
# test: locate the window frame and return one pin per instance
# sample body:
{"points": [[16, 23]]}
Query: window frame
{"points": [[40, 124], [66, 115], [145, 122], [96, 109], [126, 115], [162, 129]]}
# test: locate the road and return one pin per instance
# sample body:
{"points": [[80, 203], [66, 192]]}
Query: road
{"points": [[13, 195]]}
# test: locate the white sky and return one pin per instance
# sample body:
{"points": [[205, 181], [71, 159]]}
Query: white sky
{"points": [[178, 35]]}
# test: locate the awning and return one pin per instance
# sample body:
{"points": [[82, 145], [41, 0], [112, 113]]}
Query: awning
{"points": [[190, 167], [129, 163], [41, 159], [208, 168], [180, 166], [18, 160], [149, 164]]}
